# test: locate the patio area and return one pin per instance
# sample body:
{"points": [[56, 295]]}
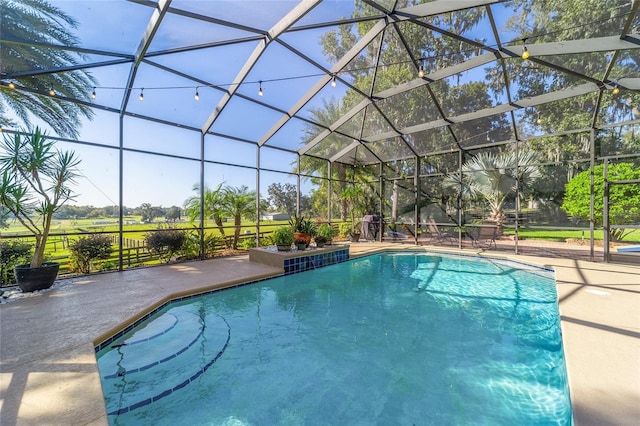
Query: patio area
{"points": [[48, 372]]}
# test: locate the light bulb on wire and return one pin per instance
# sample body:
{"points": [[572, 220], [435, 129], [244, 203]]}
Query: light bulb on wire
{"points": [[260, 92], [197, 95], [141, 97], [333, 81], [525, 53], [12, 86], [616, 90], [421, 71], [93, 94], [52, 92]]}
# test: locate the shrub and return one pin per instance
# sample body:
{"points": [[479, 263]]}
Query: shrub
{"points": [[344, 229], [12, 253], [165, 242], [282, 236], [325, 230], [247, 243], [85, 250], [191, 247]]}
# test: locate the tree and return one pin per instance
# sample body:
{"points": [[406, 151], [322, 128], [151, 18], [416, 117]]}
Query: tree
{"points": [[213, 207], [239, 202], [148, 212], [495, 177], [27, 26], [173, 214], [624, 199], [329, 112], [36, 180], [282, 197]]}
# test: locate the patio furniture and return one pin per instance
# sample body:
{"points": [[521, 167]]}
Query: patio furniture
{"points": [[483, 235], [436, 234]]}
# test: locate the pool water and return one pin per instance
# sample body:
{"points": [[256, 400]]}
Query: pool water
{"points": [[395, 338]]}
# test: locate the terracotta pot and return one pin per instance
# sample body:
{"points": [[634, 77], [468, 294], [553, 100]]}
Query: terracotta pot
{"points": [[302, 236]]}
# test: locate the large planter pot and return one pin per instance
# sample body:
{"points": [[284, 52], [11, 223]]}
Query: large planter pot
{"points": [[354, 237], [302, 236], [32, 279]]}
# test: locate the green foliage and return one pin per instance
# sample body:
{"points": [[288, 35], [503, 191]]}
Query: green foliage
{"points": [[228, 201], [624, 200], [282, 197], [494, 177], [174, 213], [85, 250], [12, 253], [35, 182], [302, 225], [324, 232], [282, 236], [247, 243], [40, 22], [165, 242], [344, 229]]}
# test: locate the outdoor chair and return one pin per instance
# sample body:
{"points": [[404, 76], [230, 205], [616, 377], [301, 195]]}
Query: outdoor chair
{"points": [[438, 235], [483, 235]]}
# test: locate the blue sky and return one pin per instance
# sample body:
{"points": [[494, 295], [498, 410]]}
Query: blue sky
{"points": [[117, 26]]}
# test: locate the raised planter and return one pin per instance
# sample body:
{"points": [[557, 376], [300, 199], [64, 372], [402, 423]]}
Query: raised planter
{"points": [[32, 279], [298, 261]]}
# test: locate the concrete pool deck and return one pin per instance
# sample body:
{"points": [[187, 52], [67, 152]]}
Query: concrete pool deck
{"points": [[49, 375]]}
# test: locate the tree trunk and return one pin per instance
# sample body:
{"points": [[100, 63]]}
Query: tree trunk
{"points": [[236, 232], [220, 226]]}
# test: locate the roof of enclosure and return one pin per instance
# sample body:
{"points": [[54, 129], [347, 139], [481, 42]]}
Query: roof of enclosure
{"points": [[360, 82]]}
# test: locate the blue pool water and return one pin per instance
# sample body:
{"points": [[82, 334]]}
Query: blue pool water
{"points": [[396, 338]]}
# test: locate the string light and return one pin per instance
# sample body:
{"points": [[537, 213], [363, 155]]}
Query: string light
{"points": [[52, 92], [197, 95], [141, 97], [488, 138], [93, 94], [525, 53], [616, 90], [12, 86], [538, 120], [333, 81], [260, 92], [421, 71]]}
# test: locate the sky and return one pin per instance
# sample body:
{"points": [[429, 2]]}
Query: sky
{"points": [[118, 26]]}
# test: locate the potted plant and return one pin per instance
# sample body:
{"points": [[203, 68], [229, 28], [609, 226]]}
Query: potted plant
{"points": [[324, 235], [282, 237], [35, 184], [354, 196], [302, 228], [301, 243]]}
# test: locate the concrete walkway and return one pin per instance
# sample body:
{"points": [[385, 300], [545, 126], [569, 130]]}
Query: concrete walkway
{"points": [[49, 375]]}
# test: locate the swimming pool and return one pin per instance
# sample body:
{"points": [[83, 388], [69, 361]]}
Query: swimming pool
{"points": [[394, 338]]}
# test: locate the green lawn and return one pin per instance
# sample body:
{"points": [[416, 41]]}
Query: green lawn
{"points": [[563, 235]]}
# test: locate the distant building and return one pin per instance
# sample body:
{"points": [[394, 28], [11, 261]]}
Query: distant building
{"points": [[275, 216]]}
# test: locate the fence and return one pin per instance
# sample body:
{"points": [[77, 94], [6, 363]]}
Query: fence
{"points": [[134, 250]]}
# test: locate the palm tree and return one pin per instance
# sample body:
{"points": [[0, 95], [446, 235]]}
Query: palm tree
{"points": [[327, 114], [493, 177], [213, 207], [239, 202], [27, 27]]}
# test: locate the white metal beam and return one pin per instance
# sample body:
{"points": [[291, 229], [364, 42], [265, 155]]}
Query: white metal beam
{"points": [[290, 18]]}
